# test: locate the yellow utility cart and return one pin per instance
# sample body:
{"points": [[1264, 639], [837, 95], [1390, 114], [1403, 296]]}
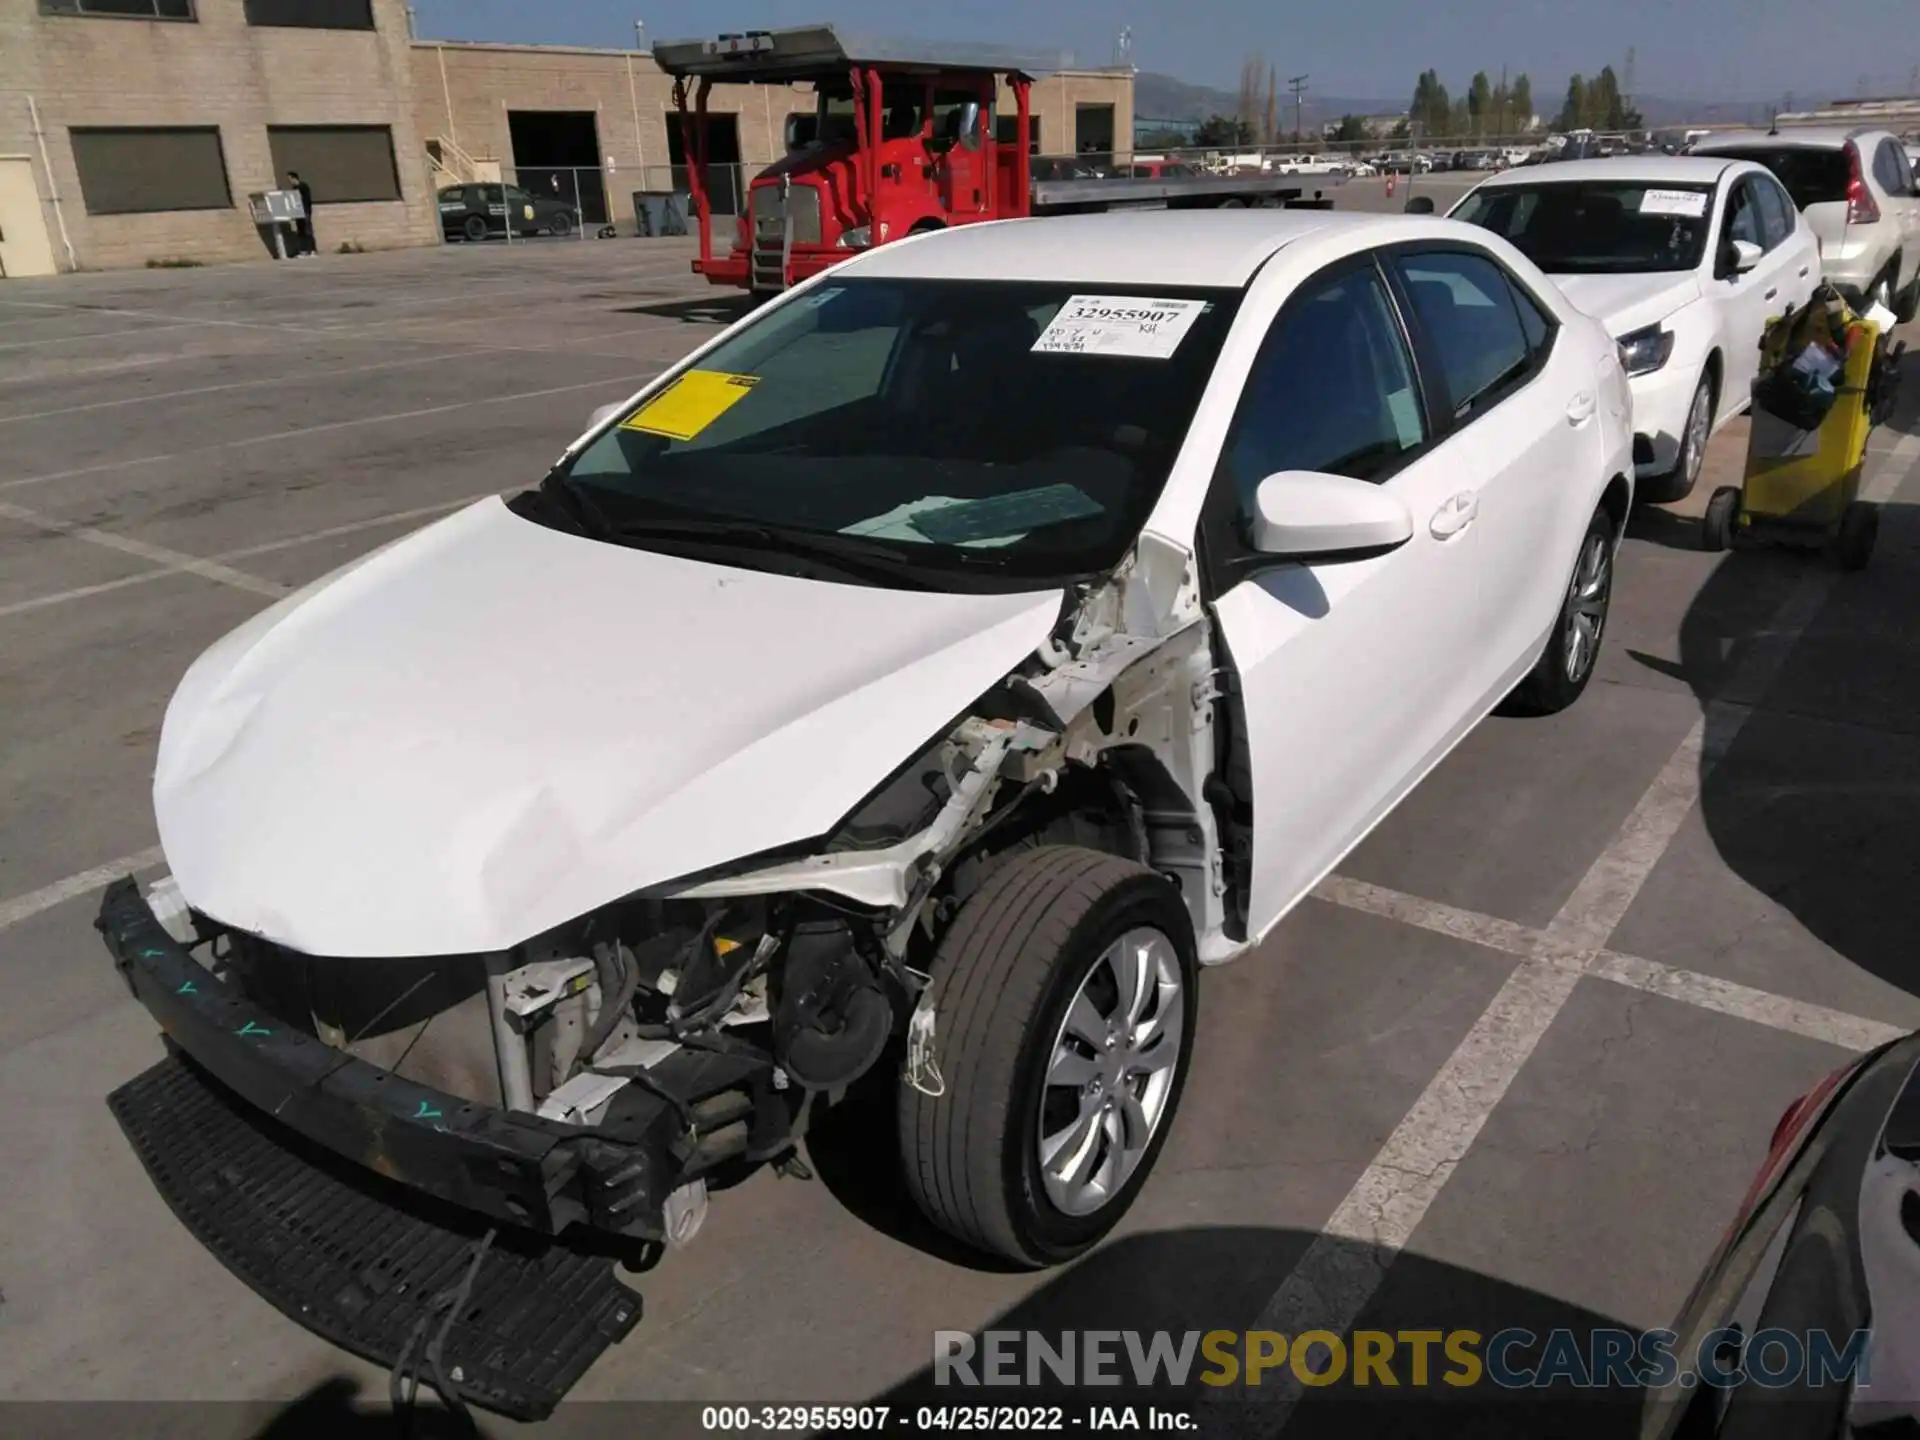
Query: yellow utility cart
{"points": [[1827, 377]]}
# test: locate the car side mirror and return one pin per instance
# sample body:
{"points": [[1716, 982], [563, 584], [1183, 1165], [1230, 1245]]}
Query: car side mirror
{"points": [[1746, 255], [1302, 513], [1420, 205]]}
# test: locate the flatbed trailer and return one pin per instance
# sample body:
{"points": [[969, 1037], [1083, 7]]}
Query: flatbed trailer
{"points": [[905, 138]]}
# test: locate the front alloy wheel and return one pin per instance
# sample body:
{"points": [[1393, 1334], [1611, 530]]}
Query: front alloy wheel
{"points": [[1111, 1073]]}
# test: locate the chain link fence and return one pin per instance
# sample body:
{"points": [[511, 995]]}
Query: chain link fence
{"points": [[572, 202]]}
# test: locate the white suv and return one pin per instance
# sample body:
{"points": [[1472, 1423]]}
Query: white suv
{"points": [[1857, 190]]}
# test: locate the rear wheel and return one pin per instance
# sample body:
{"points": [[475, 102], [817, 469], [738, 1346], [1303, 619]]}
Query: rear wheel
{"points": [[1678, 482], [1566, 665], [1881, 291], [1716, 526], [561, 224], [475, 228], [1063, 1004]]}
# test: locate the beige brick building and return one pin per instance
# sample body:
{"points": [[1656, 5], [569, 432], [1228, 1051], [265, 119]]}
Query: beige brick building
{"points": [[210, 83], [134, 131]]}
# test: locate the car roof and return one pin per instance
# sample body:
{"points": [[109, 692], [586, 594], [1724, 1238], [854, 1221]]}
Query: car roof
{"points": [[1207, 248], [1655, 169], [1808, 137]]}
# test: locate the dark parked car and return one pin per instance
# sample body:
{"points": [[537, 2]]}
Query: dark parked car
{"points": [[479, 212], [1824, 1251]]}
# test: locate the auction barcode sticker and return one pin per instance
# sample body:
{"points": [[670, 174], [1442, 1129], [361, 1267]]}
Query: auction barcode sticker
{"points": [[1690, 203], [1119, 325]]}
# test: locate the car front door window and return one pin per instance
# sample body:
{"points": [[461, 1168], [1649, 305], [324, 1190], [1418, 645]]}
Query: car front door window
{"points": [[1332, 390]]}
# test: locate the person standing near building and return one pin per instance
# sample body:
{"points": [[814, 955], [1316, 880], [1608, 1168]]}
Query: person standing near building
{"points": [[303, 239]]}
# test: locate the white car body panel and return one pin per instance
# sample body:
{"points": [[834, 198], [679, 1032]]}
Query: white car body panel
{"points": [[491, 728], [494, 727]]}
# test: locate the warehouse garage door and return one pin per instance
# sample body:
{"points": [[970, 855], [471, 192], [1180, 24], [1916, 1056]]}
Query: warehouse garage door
{"points": [[725, 184], [557, 153], [345, 164]]}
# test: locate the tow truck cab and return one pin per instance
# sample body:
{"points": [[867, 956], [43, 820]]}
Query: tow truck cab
{"points": [[902, 139]]}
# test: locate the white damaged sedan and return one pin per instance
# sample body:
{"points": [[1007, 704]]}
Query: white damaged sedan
{"points": [[937, 669]]}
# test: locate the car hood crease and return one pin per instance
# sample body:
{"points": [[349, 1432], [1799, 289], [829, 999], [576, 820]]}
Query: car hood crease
{"points": [[1625, 303], [491, 727]]}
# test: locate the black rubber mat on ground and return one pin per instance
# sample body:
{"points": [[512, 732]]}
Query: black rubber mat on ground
{"points": [[355, 1259]]}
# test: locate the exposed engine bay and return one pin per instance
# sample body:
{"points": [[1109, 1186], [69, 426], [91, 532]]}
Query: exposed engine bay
{"points": [[735, 1002]]}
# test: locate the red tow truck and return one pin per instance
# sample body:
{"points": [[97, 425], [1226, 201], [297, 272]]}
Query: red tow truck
{"points": [[903, 139]]}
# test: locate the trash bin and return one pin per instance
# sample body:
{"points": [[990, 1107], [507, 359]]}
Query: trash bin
{"points": [[1827, 377], [660, 212]]}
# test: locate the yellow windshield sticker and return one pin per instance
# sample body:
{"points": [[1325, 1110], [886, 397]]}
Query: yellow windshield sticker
{"points": [[690, 404]]}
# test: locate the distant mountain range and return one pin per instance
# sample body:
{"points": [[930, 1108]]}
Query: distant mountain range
{"points": [[1165, 97]]}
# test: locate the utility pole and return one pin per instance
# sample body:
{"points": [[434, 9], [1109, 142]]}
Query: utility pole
{"points": [[640, 36], [1123, 49], [1627, 100], [1298, 85]]}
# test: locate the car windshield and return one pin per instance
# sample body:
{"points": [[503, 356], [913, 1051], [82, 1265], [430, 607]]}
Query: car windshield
{"points": [[1811, 177], [968, 434], [1597, 227]]}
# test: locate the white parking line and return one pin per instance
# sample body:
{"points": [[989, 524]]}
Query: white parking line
{"points": [[609, 385], [174, 560], [1727, 997], [23, 907], [291, 542], [1336, 1278]]}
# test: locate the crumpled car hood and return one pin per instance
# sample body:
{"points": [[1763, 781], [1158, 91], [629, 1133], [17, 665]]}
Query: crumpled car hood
{"points": [[490, 728], [1625, 303]]}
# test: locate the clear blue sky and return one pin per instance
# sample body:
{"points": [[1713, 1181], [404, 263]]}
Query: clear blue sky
{"points": [[1687, 49]]}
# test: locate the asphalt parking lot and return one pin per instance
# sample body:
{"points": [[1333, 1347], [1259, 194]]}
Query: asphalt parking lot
{"points": [[1515, 1063]]}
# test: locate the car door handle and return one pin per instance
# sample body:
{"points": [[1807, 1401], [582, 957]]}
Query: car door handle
{"points": [[1772, 293], [1805, 270], [1580, 408], [1455, 515]]}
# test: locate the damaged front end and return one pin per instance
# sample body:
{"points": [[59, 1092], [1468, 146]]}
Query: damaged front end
{"points": [[601, 1078]]}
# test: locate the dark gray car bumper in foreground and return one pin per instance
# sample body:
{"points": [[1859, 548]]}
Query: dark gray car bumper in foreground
{"points": [[511, 1167]]}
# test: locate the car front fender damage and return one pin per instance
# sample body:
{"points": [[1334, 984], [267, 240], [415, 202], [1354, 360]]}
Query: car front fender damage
{"points": [[686, 1030]]}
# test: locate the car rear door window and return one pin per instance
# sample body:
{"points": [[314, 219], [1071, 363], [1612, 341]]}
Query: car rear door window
{"points": [[1471, 320], [1333, 389]]}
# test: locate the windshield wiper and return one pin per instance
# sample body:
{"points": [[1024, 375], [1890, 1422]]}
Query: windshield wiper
{"points": [[588, 518], [854, 557]]}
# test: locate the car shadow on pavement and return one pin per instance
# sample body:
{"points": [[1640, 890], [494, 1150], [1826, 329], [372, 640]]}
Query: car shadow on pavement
{"points": [[1816, 801], [1182, 1282], [706, 310]]}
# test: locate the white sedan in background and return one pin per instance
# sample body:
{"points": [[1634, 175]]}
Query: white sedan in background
{"points": [[1684, 260], [1064, 598]]}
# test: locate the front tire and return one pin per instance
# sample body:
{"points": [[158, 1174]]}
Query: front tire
{"points": [[560, 226], [1561, 674], [1064, 1003], [1678, 482]]}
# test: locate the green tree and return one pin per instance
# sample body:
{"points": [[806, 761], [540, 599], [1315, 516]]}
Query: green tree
{"points": [[1351, 127], [1479, 102], [1220, 130], [1573, 114], [1521, 101], [1431, 109], [1605, 109]]}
